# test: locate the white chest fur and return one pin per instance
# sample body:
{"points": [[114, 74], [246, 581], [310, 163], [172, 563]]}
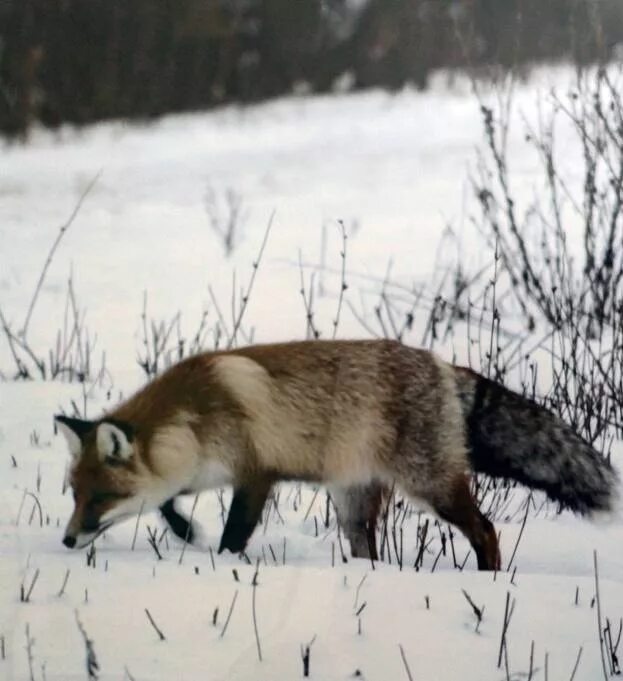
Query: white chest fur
{"points": [[212, 474]]}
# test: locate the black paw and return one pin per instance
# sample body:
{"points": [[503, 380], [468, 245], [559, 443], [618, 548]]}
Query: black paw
{"points": [[178, 524], [235, 538]]}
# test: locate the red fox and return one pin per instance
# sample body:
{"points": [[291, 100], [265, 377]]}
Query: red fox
{"points": [[354, 415]]}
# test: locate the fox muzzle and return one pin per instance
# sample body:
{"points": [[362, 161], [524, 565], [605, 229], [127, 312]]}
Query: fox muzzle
{"points": [[69, 541], [85, 536]]}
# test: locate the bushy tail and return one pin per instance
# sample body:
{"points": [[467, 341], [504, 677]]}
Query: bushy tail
{"points": [[512, 437]]}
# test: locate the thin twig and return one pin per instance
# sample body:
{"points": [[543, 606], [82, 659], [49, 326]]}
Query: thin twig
{"points": [[54, 247], [25, 598], [190, 522], [343, 284], [306, 656], [21, 506], [311, 503], [154, 625], [523, 525], [478, 612], [577, 664], [406, 664], [30, 642], [531, 669], [91, 661], [138, 518], [508, 613], [231, 609], [62, 591], [257, 635], [153, 541], [247, 294], [363, 579], [599, 631]]}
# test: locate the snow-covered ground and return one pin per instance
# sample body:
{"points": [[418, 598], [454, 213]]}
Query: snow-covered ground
{"points": [[394, 169]]}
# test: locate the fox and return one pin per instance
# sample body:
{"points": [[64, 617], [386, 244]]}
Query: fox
{"points": [[358, 416]]}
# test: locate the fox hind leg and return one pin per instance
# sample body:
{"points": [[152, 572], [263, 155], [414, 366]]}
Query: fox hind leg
{"points": [[459, 508], [357, 509]]}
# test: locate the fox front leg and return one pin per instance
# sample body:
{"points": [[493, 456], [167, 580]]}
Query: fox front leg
{"points": [[180, 526], [245, 513]]}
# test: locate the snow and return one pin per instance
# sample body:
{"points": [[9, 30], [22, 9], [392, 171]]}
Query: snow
{"points": [[394, 169]]}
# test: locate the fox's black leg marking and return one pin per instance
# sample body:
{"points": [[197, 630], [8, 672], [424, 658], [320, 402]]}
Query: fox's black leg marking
{"points": [[240, 524], [244, 514], [179, 525]]}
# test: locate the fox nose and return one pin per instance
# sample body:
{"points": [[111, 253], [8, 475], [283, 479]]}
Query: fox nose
{"points": [[69, 542]]}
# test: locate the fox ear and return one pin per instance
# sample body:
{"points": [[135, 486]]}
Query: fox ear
{"points": [[114, 440], [74, 430]]}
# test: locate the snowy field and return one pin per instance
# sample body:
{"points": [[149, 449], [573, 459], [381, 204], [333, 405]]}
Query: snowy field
{"points": [[395, 170]]}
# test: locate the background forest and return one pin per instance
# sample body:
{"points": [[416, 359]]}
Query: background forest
{"points": [[76, 61]]}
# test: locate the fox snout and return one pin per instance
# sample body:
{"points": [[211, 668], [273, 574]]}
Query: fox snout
{"points": [[78, 539], [79, 542], [83, 527], [69, 541]]}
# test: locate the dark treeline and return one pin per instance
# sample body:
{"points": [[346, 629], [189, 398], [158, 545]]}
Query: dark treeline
{"points": [[84, 60]]}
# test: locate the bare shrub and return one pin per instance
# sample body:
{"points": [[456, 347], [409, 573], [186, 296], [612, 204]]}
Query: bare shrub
{"points": [[573, 300], [70, 355], [164, 342], [227, 216]]}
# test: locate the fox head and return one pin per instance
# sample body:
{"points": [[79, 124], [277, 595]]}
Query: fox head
{"points": [[105, 475]]}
